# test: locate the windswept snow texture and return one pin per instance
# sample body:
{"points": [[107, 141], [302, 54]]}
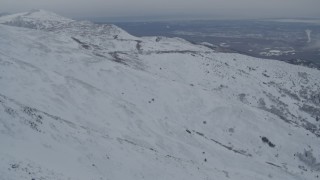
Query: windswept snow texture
{"points": [[86, 101]]}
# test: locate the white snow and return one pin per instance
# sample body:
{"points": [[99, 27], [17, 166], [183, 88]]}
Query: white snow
{"points": [[85, 101], [36, 19], [276, 52]]}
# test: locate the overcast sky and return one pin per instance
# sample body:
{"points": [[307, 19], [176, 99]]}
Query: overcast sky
{"points": [[179, 8]]}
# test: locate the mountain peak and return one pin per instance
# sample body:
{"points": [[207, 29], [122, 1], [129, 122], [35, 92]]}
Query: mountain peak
{"points": [[44, 14], [36, 10], [45, 20], [35, 19]]}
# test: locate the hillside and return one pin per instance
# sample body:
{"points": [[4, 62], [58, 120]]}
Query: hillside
{"points": [[85, 101]]}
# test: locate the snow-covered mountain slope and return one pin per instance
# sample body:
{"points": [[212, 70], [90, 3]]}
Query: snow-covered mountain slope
{"points": [[35, 19], [86, 101]]}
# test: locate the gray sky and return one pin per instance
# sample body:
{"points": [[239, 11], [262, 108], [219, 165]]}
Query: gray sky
{"points": [[172, 8]]}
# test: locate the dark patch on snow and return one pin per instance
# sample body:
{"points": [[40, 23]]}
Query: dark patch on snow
{"points": [[200, 134], [31, 116], [251, 68], [231, 130], [36, 119], [313, 111], [308, 158], [136, 144], [14, 166], [10, 111], [265, 75], [242, 98], [267, 141], [272, 164], [176, 52], [242, 152], [289, 93], [84, 45], [139, 46], [117, 58], [158, 39], [99, 55], [303, 77]]}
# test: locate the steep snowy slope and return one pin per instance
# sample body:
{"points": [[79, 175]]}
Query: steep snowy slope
{"points": [[86, 101]]}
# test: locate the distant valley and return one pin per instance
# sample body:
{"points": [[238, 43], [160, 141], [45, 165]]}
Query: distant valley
{"points": [[296, 41]]}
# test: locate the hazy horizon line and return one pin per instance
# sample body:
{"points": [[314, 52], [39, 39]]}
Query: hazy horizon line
{"points": [[170, 17]]}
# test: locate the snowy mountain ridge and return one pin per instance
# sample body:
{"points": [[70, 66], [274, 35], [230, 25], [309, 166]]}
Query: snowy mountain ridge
{"points": [[85, 101], [35, 19]]}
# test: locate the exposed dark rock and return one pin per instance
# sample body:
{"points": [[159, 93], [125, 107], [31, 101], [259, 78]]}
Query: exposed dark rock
{"points": [[308, 158], [14, 166], [313, 111], [117, 58], [266, 140], [84, 45]]}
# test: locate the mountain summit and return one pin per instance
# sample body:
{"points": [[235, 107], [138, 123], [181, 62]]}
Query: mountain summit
{"points": [[35, 19], [80, 100]]}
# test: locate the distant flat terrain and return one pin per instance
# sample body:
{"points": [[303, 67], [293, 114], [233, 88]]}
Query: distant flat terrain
{"points": [[294, 41]]}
